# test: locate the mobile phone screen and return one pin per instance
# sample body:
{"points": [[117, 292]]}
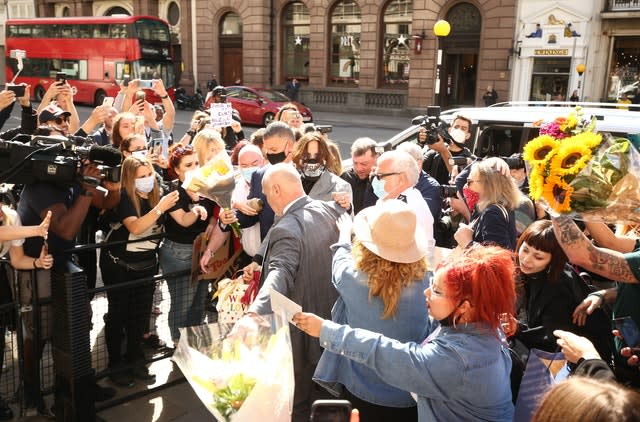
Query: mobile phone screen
{"points": [[629, 330], [157, 146], [108, 101]]}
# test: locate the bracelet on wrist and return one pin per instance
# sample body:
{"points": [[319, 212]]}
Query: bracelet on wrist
{"points": [[35, 262], [599, 295], [165, 97]]}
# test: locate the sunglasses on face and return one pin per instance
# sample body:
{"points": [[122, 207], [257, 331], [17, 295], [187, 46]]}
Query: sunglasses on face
{"points": [[381, 176], [61, 120]]}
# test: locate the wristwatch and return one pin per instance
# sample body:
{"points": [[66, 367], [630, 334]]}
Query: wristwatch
{"points": [[84, 192]]}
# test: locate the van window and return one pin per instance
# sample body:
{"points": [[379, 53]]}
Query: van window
{"points": [[500, 141]]}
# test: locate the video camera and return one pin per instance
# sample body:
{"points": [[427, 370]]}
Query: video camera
{"points": [[30, 159], [434, 126], [514, 163]]}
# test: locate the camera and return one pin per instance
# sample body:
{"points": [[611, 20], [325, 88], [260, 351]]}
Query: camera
{"points": [[434, 126], [514, 163], [449, 191], [18, 89], [30, 159]]}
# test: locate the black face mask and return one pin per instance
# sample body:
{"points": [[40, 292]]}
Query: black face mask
{"points": [[276, 158]]}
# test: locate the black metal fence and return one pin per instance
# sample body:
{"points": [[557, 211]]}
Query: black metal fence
{"points": [[77, 356]]}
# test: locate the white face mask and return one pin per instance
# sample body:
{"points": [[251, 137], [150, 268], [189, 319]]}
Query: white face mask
{"points": [[458, 135], [145, 184], [140, 154]]}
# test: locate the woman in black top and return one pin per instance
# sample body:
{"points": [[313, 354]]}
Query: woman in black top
{"points": [[548, 292], [493, 221], [187, 219], [140, 214]]}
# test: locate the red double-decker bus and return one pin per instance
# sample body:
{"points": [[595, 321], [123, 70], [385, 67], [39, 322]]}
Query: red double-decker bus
{"points": [[95, 53]]}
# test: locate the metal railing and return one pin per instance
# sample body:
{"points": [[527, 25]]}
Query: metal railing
{"points": [[623, 5]]}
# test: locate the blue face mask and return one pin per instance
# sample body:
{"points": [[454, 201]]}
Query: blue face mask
{"points": [[145, 184], [378, 187], [248, 172]]}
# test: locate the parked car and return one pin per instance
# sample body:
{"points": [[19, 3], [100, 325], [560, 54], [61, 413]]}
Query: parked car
{"points": [[258, 106]]}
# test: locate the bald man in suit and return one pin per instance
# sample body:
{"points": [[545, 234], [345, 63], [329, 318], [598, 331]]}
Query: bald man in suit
{"points": [[297, 263]]}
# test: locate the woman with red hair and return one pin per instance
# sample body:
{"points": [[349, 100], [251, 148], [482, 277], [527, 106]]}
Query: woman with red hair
{"points": [[462, 370]]}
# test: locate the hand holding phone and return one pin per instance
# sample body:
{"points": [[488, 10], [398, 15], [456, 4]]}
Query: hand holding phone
{"points": [[61, 78], [140, 96], [629, 330], [108, 101], [18, 89], [157, 147]]}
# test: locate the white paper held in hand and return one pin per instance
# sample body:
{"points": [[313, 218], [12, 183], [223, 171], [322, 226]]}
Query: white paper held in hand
{"points": [[282, 305]]}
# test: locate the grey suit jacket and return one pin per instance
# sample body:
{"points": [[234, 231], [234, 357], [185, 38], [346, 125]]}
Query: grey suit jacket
{"points": [[297, 264]]}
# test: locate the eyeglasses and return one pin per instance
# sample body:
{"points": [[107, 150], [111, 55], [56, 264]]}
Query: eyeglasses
{"points": [[471, 182], [182, 150], [60, 120], [294, 116], [381, 176]]}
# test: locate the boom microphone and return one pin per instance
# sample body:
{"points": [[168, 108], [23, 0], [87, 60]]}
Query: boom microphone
{"points": [[105, 155]]}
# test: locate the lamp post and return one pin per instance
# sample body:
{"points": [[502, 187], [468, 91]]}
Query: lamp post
{"points": [[580, 69], [440, 29]]}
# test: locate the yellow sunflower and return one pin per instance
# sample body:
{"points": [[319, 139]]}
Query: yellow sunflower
{"points": [[536, 182], [557, 193], [571, 157], [569, 123], [588, 139], [538, 150]]}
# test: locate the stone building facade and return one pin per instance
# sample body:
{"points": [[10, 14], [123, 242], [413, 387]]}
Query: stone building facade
{"points": [[360, 55]]}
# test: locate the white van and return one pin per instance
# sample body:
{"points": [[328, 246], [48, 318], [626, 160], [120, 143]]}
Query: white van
{"points": [[504, 128]]}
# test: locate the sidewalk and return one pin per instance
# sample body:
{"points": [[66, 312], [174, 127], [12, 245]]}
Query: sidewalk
{"points": [[386, 121], [177, 403]]}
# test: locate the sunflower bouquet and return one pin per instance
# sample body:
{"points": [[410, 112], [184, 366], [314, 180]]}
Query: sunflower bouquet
{"points": [[575, 169]]}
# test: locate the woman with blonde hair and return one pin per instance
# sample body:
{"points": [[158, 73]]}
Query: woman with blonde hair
{"points": [[492, 195], [379, 278], [314, 160], [584, 399], [139, 215], [207, 143]]}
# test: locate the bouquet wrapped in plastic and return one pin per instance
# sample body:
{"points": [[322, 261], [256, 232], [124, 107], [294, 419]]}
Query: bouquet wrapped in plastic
{"points": [[243, 375], [575, 169], [214, 180]]}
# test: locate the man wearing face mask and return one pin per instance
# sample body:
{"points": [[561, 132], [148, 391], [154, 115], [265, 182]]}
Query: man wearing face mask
{"points": [[436, 161], [394, 178]]}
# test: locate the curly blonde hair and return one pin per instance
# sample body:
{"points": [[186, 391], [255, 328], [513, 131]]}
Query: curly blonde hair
{"points": [[386, 278]]}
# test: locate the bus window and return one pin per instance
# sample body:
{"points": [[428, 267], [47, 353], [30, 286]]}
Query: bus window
{"points": [[118, 30], [84, 31], [101, 31], [68, 31]]}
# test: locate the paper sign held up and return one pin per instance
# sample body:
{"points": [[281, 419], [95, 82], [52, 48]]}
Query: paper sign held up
{"points": [[221, 114]]}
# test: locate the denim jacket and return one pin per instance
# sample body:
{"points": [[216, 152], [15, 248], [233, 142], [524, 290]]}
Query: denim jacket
{"points": [[461, 374], [353, 307]]}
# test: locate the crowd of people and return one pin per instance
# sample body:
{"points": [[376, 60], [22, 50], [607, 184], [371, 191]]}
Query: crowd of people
{"points": [[354, 247]]}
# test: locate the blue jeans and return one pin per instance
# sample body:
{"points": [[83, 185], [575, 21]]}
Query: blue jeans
{"points": [[187, 301]]}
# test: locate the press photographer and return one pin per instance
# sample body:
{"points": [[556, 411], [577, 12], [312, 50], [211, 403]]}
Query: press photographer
{"points": [[68, 204], [445, 144]]}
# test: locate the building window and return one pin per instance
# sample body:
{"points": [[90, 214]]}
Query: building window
{"points": [[173, 13], [295, 39], [344, 66], [231, 24], [117, 10], [624, 74], [396, 42], [550, 79]]}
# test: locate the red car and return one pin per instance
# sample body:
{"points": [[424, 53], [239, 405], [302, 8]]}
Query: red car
{"points": [[258, 106]]}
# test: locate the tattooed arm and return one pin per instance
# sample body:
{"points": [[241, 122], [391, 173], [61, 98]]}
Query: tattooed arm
{"points": [[580, 251]]}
